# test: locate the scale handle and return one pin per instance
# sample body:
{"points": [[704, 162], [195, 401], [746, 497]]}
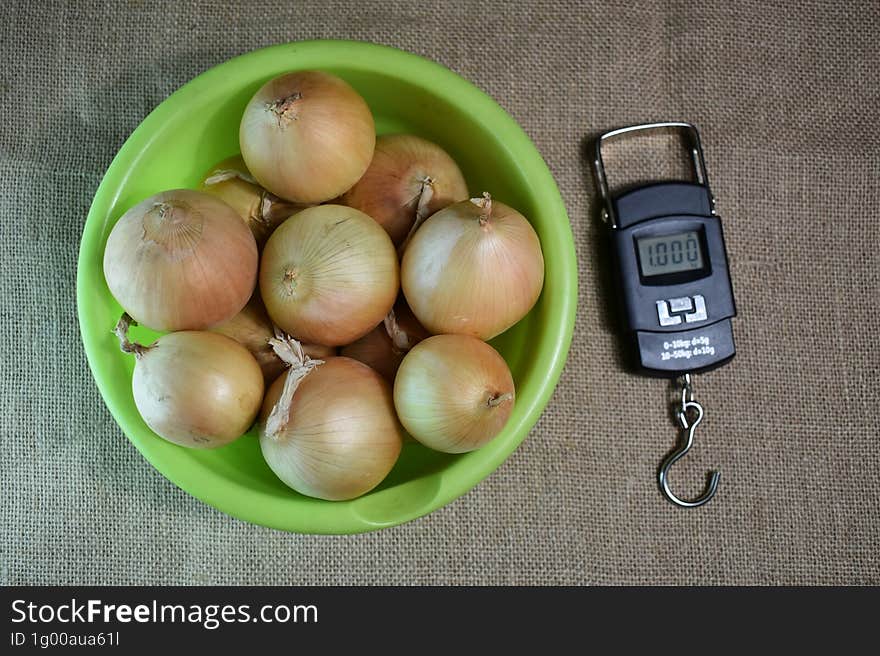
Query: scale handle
{"points": [[695, 148]]}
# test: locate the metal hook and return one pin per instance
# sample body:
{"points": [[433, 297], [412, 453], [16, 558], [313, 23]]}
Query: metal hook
{"points": [[685, 445]]}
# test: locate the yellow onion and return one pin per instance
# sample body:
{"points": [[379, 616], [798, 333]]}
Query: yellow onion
{"points": [[181, 260], [328, 429], [453, 393], [231, 182], [194, 388], [307, 136], [328, 275], [253, 329], [473, 268], [408, 180], [383, 347]]}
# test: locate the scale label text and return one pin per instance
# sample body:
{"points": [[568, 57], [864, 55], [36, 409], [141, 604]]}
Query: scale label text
{"points": [[685, 349]]}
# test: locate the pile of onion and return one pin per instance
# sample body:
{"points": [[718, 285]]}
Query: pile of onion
{"points": [[321, 239]]}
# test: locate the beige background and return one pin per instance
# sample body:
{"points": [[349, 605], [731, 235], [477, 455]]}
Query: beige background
{"points": [[788, 101]]}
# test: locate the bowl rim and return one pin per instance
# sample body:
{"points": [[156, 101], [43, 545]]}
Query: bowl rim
{"points": [[211, 487]]}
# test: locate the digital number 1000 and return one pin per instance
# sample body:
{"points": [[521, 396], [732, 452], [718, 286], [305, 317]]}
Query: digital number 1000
{"points": [[675, 251]]}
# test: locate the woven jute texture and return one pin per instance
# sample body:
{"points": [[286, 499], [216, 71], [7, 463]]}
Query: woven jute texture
{"points": [[788, 102]]}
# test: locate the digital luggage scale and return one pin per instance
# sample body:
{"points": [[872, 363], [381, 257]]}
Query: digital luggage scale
{"points": [[671, 273]]}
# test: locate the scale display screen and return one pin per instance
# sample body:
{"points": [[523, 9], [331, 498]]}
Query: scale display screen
{"points": [[673, 253]]}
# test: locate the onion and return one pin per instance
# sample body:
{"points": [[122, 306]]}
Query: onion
{"points": [[376, 351], [453, 393], [231, 182], [408, 180], [253, 329], [474, 268], [194, 388], [307, 136], [181, 260], [383, 347], [329, 275], [328, 429]]}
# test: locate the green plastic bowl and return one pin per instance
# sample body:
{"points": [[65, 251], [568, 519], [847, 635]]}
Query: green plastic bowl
{"points": [[198, 126]]}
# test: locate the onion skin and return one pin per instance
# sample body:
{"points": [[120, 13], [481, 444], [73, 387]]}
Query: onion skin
{"points": [[342, 437], [307, 136], [197, 389], [181, 260], [231, 182], [328, 275], [474, 268], [453, 393], [391, 188], [252, 328]]}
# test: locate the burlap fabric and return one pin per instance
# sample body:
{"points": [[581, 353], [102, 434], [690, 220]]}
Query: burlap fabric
{"points": [[788, 100]]}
